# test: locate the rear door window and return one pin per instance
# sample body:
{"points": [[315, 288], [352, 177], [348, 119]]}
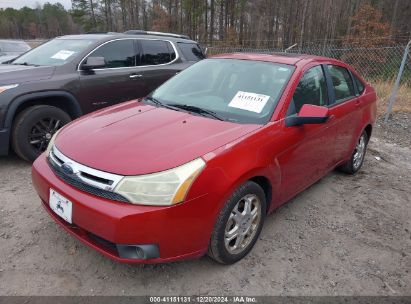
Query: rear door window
{"points": [[191, 51], [360, 85], [117, 54], [342, 83], [154, 52]]}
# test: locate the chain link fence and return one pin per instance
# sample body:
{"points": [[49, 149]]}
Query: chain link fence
{"points": [[380, 66]]}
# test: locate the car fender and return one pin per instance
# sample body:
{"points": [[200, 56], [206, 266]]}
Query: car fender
{"points": [[231, 175], [20, 100], [272, 175], [221, 185]]}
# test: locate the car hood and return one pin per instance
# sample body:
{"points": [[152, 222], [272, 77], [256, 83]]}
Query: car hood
{"points": [[135, 138], [12, 73]]}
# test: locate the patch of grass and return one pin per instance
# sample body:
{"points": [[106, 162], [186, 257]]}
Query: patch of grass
{"points": [[384, 89]]}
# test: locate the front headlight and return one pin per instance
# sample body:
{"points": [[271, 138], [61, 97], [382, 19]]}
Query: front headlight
{"points": [[161, 189], [51, 143], [8, 87]]}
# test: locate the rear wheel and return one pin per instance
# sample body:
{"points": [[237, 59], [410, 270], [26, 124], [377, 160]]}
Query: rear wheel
{"points": [[354, 164], [239, 224], [34, 127]]}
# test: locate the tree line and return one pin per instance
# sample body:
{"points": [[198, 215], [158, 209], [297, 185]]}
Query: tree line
{"points": [[249, 23], [47, 21]]}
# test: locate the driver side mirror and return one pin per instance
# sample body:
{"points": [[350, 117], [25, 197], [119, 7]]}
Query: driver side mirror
{"points": [[94, 63], [309, 114]]}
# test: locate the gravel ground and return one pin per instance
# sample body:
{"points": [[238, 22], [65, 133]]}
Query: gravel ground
{"points": [[397, 130], [345, 235]]}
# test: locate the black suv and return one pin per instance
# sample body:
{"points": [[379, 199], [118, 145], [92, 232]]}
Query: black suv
{"points": [[69, 76]]}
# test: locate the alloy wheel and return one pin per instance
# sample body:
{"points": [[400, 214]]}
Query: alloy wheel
{"points": [[359, 152], [242, 224], [42, 131]]}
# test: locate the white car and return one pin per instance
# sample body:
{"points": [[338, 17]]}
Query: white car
{"points": [[10, 49]]}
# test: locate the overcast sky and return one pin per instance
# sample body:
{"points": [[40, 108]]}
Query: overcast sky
{"points": [[31, 3]]}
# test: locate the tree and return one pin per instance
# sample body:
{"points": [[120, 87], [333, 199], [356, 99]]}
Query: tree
{"points": [[368, 28], [368, 32], [249, 23]]}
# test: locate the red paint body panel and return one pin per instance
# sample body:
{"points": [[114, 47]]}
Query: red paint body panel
{"points": [[133, 138], [123, 137], [178, 230]]}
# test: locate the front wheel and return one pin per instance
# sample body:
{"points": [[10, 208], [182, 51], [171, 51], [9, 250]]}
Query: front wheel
{"points": [[354, 164], [34, 127], [239, 224]]}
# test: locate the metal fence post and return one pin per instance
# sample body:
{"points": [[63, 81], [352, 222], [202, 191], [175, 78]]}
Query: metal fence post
{"points": [[397, 82], [291, 47]]}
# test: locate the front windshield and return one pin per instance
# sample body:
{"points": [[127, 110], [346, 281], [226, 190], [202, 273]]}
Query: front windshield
{"points": [[54, 52], [241, 91]]}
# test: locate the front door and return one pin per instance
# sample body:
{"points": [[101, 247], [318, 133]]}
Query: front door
{"points": [[309, 152], [118, 81]]}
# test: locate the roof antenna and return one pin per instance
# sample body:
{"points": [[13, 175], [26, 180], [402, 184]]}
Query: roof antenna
{"points": [[289, 48]]}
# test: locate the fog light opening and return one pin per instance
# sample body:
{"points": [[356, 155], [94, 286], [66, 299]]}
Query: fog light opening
{"points": [[138, 252]]}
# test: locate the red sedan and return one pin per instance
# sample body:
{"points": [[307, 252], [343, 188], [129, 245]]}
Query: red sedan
{"points": [[197, 165]]}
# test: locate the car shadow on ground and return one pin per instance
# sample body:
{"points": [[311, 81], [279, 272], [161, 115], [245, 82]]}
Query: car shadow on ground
{"points": [[12, 161]]}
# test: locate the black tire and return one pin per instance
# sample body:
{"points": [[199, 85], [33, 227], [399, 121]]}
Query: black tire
{"points": [[36, 123], [351, 167], [217, 248]]}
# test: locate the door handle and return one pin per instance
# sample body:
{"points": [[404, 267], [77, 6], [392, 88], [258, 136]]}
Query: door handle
{"points": [[133, 76], [357, 103]]}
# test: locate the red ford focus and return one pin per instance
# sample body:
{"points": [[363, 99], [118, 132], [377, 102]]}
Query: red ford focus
{"points": [[197, 165]]}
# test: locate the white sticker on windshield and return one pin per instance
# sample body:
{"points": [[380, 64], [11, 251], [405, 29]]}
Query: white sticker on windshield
{"points": [[62, 55], [249, 101]]}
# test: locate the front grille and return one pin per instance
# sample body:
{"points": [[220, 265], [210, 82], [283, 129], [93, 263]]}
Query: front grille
{"points": [[97, 179], [84, 187]]}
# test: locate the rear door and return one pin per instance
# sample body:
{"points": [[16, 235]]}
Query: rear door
{"points": [[344, 108], [116, 81], [158, 62]]}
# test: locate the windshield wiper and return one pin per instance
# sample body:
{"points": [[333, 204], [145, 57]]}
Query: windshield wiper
{"points": [[176, 106], [159, 103], [197, 110]]}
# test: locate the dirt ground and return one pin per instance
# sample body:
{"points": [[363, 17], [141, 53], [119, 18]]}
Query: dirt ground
{"points": [[345, 235]]}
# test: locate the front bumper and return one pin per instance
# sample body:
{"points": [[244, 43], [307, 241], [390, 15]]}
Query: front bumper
{"points": [[180, 232]]}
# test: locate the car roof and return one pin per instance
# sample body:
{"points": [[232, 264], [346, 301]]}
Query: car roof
{"points": [[110, 36], [283, 58]]}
